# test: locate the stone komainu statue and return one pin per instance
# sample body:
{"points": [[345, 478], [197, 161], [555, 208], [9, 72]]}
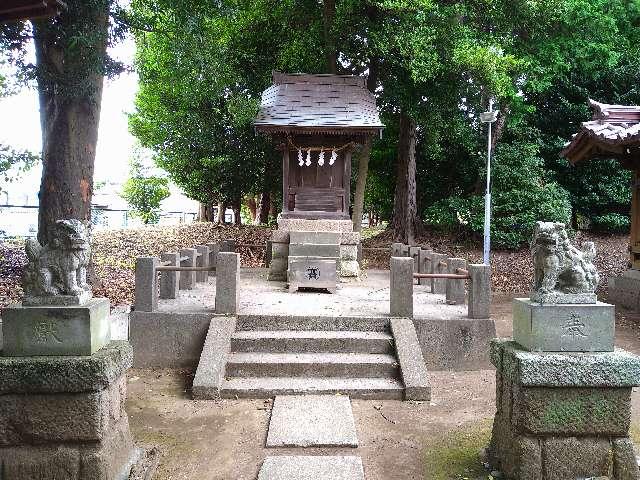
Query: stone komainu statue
{"points": [[560, 268], [60, 267]]}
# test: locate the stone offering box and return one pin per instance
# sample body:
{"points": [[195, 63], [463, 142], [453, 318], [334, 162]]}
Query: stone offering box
{"points": [[313, 273], [563, 416], [56, 330], [563, 327]]}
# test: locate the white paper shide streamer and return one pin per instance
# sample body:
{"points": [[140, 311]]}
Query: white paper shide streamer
{"points": [[333, 158], [308, 162], [321, 158], [300, 161]]}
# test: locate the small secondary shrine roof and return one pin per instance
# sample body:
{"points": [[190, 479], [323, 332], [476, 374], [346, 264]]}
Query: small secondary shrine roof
{"points": [[613, 132], [332, 104], [13, 10]]}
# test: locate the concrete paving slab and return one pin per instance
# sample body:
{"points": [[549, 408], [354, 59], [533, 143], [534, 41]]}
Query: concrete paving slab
{"points": [[312, 421], [311, 468]]}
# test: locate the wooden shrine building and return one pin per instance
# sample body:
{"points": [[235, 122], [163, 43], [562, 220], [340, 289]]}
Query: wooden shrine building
{"points": [[317, 120], [614, 132]]}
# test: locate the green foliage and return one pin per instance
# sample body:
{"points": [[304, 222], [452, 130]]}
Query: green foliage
{"points": [[611, 223], [521, 195], [14, 162], [144, 193]]}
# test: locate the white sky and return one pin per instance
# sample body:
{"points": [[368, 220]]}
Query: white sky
{"points": [[20, 128]]}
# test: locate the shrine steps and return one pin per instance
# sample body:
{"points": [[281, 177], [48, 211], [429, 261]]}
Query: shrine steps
{"points": [[260, 357]]}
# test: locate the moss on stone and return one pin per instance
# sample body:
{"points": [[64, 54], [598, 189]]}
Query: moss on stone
{"points": [[456, 454]]}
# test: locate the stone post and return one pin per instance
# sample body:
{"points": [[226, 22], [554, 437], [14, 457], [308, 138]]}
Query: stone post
{"points": [[425, 265], [187, 279], [146, 292], [214, 248], [404, 250], [479, 291], [227, 282], [414, 252], [396, 249], [401, 287], [169, 280], [228, 245], [268, 253], [202, 261], [455, 288], [439, 285]]}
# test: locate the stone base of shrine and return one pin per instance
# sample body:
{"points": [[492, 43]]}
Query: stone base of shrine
{"points": [[64, 417], [348, 265], [563, 416], [624, 290]]}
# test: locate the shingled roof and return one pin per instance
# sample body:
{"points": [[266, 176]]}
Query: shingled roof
{"points": [[332, 104], [612, 132]]}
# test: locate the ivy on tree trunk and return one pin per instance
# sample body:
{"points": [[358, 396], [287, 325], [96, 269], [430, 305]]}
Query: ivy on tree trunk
{"points": [[405, 222]]}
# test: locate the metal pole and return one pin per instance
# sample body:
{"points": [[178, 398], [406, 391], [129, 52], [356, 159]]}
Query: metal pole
{"points": [[487, 199]]}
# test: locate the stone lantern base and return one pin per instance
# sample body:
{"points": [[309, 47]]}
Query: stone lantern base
{"points": [[63, 417], [563, 416]]}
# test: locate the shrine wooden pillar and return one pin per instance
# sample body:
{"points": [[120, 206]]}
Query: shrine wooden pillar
{"points": [[285, 178], [634, 240]]}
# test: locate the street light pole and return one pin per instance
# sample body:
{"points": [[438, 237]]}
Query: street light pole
{"points": [[488, 117]]}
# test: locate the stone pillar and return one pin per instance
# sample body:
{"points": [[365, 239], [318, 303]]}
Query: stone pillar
{"points": [[454, 287], [227, 282], [401, 287], [146, 293], [563, 416], [439, 285], [202, 261], [414, 252], [169, 280], [396, 249], [214, 248], [425, 265], [228, 245], [64, 417], [187, 279], [404, 251], [479, 291], [268, 253], [279, 263]]}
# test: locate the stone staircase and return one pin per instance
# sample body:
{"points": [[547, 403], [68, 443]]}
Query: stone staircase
{"points": [[299, 358], [255, 356]]}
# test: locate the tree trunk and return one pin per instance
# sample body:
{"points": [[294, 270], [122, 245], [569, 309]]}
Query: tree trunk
{"points": [[222, 207], [405, 222], [331, 53], [361, 185], [262, 217], [253, 208], [69, 116], [237, 207]]}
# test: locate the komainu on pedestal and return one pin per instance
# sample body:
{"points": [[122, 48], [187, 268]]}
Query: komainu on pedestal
{"points": [[563, 393]]}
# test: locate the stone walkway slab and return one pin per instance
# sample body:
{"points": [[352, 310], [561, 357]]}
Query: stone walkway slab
{"points": [[312, 421], [311, 468]]}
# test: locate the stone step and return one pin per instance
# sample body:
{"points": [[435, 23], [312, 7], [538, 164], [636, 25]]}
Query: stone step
{"points": [[307, 322], [311, 365], [281, 341], [267, 387], [311, 250]]}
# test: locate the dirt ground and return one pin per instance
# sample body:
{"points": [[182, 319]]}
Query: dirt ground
{"points": [[224, 440]]}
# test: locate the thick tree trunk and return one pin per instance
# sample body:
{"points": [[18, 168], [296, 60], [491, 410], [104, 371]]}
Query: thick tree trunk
{"points": [[361, 185], [222, 207], [253, 208], [405, 222], [262, 217], [69, 116], [236, 207], [331, 53], [206, 212]]}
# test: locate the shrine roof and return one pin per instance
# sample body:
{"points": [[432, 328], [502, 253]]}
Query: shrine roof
{"points": [[612, 132], [14, 10], [305, 103]]}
